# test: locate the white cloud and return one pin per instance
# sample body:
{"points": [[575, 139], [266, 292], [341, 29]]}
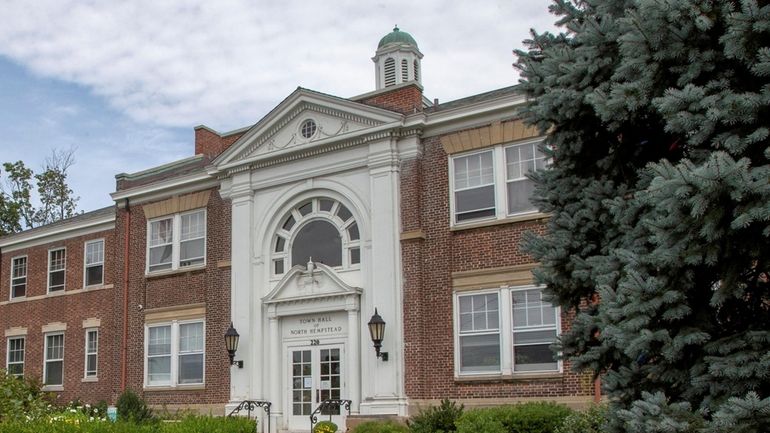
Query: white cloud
{"points": [[226, 63]]}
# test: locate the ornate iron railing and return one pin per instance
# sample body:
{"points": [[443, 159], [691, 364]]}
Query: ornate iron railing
{"points": [[328, 407], [252, 405]]}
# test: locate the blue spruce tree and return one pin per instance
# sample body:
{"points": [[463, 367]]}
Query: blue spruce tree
{"points": [[658, 114]]}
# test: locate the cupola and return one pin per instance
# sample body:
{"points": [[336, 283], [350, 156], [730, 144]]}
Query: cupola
{"points": [[397, 59]]}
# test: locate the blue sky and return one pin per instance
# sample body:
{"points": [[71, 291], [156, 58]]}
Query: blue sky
{"points": [[124, 83]]}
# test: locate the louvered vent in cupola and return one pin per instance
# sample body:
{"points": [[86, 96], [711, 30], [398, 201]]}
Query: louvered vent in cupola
{"points": [[416, 71], [390, 72], [404, 71]]}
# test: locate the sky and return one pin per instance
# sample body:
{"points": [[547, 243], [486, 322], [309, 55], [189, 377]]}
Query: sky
{"points": [[123, 83]]}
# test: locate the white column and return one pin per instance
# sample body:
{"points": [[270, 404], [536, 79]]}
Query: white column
{"points": [[275, 391], [353, 368], [242, 199], [384, 380]]}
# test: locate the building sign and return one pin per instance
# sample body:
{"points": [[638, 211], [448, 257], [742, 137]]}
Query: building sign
{"points": [[315, 325]]}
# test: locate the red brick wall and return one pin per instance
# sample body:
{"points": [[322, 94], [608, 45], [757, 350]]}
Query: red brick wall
{"points": [[404, 100], [211, 144], [428, 297], [210, 286], [70, 309]]}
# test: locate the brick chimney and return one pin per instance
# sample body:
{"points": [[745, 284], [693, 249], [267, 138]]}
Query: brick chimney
{"points": [[402, 98], [209, 143]]}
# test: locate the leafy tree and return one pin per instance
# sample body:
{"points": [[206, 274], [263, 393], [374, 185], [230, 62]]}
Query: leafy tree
{"points": [[57, 200], [657, 112]]}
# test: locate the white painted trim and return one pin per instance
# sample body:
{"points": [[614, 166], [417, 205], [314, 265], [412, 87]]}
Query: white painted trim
{"points": [[48, 274], [174, 372], [300, 96], [176, 236], [93, 377], [505, 328], [26, 277], [58, 386], [166, 187], [85, 265], [58, 232], [8, 352]]}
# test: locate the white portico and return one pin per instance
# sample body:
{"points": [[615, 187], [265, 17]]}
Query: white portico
{"points": [[315, 199]]}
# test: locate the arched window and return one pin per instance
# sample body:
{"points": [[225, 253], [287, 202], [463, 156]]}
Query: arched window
{"points": [[320, 228], [390, 72], [416, 71], [404, 71]]}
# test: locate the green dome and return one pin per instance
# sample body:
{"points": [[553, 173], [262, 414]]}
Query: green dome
{"points": [[397, 37]]}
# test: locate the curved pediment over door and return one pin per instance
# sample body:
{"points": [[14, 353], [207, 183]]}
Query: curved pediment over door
{"points": [[311, 289]]}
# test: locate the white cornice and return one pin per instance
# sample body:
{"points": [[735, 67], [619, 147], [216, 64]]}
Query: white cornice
{"points": [[58, 232], [176, 185], [467, 116]]}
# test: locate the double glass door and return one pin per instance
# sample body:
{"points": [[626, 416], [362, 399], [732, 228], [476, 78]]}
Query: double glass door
{"points": [[315, 375]]}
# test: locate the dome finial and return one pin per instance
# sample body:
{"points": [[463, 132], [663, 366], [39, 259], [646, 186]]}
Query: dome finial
{"points": [[395, 28]]}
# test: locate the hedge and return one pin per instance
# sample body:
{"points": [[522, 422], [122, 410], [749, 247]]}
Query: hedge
{"points": [[82, 425], [521, 418]]}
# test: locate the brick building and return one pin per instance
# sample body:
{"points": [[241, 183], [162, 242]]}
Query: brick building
{"points": [[296, 229]]}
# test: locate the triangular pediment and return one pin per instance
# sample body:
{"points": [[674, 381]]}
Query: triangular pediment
{"points": [[281, 132], [302, 284]]}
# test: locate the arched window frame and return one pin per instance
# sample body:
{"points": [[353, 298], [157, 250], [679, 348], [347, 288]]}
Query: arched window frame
{"points": [[318, 209], [404, 70]]}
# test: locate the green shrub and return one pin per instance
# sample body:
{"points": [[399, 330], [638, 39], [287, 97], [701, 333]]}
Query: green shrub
{"points": [[325, 427], [21, 399], [521, 418], [133, 408], [437, 419], [380, 427], [585, 421], [79, 425]]}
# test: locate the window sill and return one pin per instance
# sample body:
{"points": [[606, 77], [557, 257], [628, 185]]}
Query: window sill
{"points": [[495, 222], [523, 376], [53, 388], [57, 294], [170, 272], [89, 379], [158, 388]]}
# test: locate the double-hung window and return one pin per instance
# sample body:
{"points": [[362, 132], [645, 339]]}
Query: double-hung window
{"points": [[176, 241], [57, 260], [175, 354], [479, 332], [94, 262], [53, 369], [505, 331], [492, 184], [15, 362], [92, 353], [19, 277]]}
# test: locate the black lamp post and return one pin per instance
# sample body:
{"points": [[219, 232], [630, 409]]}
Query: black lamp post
{"points": [[377, 331], [231, 343]]}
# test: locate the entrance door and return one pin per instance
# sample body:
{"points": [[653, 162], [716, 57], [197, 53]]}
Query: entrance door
{"points": [[315, 375]]}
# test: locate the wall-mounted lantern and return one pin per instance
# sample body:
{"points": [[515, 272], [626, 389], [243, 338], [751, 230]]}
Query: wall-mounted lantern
{"points": [[377, 331], [231, 343]]}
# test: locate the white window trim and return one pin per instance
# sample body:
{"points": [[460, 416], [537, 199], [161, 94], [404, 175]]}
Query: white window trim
{"points": [[94, 376], [500, 331], [46, 360], [316, 214], [86, 265], [176, 227], [8, 354], [505, 310], [26, 276], [500, 183], [48, 274], [174, 381]]}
